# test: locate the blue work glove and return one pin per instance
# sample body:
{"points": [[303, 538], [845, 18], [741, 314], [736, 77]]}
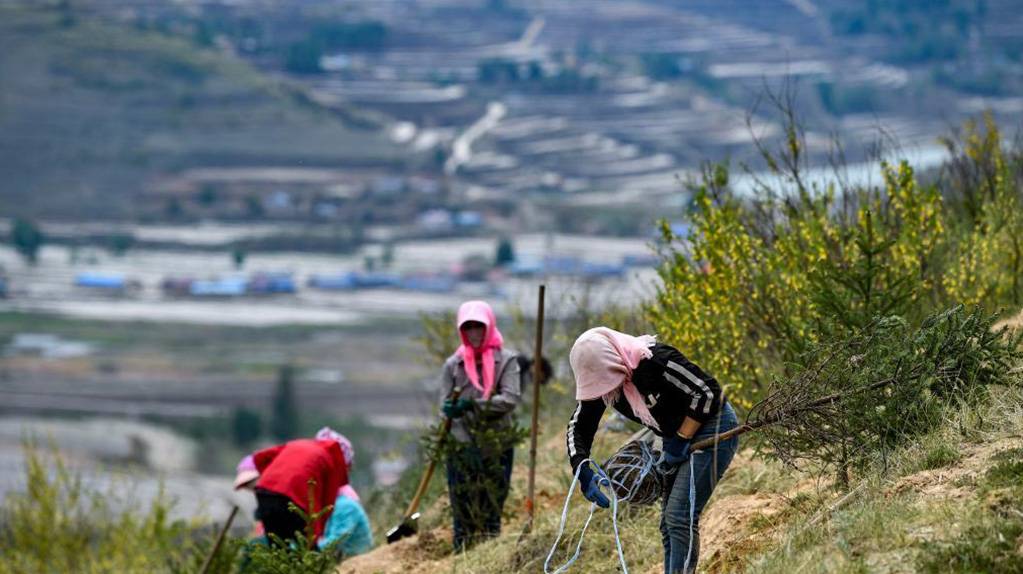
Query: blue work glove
{"points": [[676, 451], [589, 485], [454, 409]]}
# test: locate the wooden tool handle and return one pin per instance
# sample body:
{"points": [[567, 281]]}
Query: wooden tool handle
{"points": [[220, 541], [534, 423], [714, 440], [425, 480]]}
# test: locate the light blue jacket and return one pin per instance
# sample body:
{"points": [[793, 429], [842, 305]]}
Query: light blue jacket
{"points": [[349, 524]]}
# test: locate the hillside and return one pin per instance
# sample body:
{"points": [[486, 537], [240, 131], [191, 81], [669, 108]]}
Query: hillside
{"points": [[948, 504], [92, 113]]}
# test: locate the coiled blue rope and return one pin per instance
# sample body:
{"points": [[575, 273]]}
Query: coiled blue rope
{"points": [[646, 468], [692, 512], [582, 535]]}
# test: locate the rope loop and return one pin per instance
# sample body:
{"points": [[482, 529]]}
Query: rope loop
{"points": [[632, 476], [582, 535]]}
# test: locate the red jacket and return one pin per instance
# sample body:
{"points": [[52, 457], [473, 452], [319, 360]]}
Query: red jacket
{"points": [[287, 469]]}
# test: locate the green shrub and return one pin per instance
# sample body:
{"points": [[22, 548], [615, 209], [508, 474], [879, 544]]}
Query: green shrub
{"points": [[301, 557], [985, 255], [889, 383], [756, 281], [58, 525]]}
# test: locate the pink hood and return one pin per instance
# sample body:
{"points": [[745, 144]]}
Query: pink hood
{"points": [[327, 433], [492, 340], [602, 361]]}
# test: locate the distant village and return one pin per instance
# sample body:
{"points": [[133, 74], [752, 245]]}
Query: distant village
{"points": [[269, 283]]}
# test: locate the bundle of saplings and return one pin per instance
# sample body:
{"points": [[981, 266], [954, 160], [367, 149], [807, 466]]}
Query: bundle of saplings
{"points": [[854, 398]]}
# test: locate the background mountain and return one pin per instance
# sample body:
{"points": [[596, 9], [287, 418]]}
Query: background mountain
{"points": [[92, 113]]}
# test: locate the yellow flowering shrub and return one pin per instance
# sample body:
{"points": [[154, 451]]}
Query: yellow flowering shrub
{"points": [[986, 258], [744, 297], [700, 307]]}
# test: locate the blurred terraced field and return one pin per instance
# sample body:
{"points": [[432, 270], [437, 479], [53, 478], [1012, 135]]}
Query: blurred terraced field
{"points": [[92, 113]]}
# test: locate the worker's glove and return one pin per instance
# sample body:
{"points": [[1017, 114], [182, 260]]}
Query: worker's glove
{"points": [[675, 452], [589, 485], [454, 409]]}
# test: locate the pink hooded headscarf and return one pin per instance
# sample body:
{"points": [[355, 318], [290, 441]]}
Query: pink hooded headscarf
{"points": [[327, 433], [492, 340], [602, 360]]}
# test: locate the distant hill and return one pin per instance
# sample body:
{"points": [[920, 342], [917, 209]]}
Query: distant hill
{"points": [[92, 112]]}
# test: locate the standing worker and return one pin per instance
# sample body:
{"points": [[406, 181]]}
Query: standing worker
{"points": [[657, 386], [479, 464]]}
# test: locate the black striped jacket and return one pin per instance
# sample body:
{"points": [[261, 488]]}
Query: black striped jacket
{"points": [[672, 386]]}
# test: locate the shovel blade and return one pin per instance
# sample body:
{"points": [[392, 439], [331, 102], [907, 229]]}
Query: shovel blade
{"points": [[408, 527]]}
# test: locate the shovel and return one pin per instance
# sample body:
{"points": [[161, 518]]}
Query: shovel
{"points": [[408, 523]]}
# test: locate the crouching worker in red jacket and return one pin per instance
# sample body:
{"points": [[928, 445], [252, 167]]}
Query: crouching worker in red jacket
{"points": [[284, 474]]}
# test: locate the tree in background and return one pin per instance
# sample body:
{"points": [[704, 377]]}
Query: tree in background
{"points": [[284, 420], [27, 238], [304, 58], [387, 255], [67, 13], [238, 256], [505, 252], [207, 196], [254, 205], [246, 426], [120, 243]]}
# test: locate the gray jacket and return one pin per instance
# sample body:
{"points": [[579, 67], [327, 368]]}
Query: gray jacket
{"points": [[500, 412]]}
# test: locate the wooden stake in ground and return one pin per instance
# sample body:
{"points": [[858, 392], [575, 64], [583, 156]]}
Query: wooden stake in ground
{"points": [[220, 540], [534, 428]]}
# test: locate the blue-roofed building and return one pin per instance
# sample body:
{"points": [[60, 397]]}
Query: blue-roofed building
{"points": [[112, 282], [341, 282], [271, 283], [231, 287]]}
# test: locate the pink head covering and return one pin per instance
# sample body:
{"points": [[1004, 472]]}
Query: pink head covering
{"points": [[602, 360], [492, 339], [245, 473], [327, 433]]}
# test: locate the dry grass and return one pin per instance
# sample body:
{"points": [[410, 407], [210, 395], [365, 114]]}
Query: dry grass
{"points": [[1014, 322]]}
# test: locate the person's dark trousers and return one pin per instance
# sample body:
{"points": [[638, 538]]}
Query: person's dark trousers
{"points": [[707, 467], [478, 487], [272, 509]]}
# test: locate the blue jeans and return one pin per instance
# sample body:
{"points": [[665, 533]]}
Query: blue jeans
{"points": [[707, 467]]}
